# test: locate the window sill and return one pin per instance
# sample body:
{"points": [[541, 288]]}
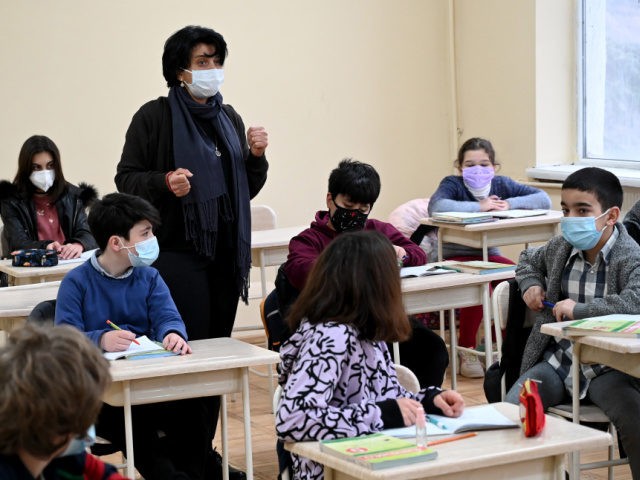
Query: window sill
{"points": [[628, 177]]}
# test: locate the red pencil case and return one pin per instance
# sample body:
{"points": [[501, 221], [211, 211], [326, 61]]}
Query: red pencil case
{"points": [[531, 410]]}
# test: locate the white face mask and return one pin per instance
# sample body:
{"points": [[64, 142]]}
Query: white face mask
{"points": [[205, 83], [43, 179]]}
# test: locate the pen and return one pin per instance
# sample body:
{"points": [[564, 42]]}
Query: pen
{"points": [[451, 439], [437, 423], [549, 304], [116, 327]]}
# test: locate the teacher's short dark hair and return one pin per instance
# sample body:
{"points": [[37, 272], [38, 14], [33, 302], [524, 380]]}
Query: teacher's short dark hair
{"points": [[177, 50], [116, 214]]}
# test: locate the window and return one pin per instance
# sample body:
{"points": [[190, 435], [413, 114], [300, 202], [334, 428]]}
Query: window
{"points": [[610, 113]]}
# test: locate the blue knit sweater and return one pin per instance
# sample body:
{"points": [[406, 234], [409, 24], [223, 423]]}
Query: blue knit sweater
{"points": [[139, 302]]}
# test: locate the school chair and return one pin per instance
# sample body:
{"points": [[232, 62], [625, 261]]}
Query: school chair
{"points": [[512, 315]]}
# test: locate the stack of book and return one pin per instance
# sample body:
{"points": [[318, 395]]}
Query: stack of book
{"points": [[463, 217], [477, 267]]}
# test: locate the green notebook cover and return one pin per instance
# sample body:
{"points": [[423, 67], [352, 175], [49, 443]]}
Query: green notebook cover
{"points": [[378, 451]]}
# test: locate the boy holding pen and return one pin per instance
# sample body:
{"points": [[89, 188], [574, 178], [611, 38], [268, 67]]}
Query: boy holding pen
{"points": [[592, 269], [118, 285]]}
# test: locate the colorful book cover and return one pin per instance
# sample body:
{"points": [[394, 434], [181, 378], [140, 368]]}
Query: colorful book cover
{"points": [[607, 325], [378, 451]]}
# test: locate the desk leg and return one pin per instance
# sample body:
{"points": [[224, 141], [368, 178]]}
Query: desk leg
{"points": [[454, 344], [263, 275], [575, 400], [486, 319], [396, 352], [246, 407], [128, 429], [485, 248], [223, 431]]}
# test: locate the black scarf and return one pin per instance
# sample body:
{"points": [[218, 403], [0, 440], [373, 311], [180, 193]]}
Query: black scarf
{"points": [[209, 200]]}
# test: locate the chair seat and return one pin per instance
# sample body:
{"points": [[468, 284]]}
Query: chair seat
{"points": [[588, 413]]}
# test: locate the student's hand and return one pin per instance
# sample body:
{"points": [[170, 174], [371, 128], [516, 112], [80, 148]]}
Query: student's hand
{"points": [[450, 402], [533, 298], [258, 139], [70, 250], [116, 340], [175, 343], [493, 202], [564, 310], [179, 182], [408, 408], [54, 246], [401, 253]]}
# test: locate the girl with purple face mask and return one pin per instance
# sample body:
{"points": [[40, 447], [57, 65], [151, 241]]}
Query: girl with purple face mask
{"points": [[477, 188]]}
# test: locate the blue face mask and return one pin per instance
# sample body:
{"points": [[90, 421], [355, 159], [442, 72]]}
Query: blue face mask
{"points": [[148, 252], [581, 232], [80, 444]]}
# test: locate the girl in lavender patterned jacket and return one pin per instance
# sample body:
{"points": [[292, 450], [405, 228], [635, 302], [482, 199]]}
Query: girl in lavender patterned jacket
{"points": [[336, 372]]}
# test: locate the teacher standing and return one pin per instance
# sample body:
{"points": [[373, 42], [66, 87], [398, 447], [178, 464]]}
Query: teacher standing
{"points": [[188, 155]]}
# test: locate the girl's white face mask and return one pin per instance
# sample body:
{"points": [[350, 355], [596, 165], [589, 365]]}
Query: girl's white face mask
{"points": [[205, 83], [43, 179]]}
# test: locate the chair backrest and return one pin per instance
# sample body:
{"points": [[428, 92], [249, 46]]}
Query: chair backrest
{"points": [[407, 378], [263, 217]]}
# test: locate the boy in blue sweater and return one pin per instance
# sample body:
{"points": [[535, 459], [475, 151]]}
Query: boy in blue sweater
{"points": [[118, 284]]}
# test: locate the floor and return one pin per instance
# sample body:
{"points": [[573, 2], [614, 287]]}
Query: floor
{"points": [[263, 436]]}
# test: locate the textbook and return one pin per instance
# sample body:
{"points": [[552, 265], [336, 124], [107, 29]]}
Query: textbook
{"points": [[377, 451], [146, 349], [484, 417], [518, 213], [423, 271], [462, 217], [478, 267], [616, 325]]}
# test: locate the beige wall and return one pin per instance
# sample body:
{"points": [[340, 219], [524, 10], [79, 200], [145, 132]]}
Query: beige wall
{"points": [[363, 78]]}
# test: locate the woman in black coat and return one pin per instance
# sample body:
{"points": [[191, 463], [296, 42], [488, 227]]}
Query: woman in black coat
{"points": [[40, 209]]}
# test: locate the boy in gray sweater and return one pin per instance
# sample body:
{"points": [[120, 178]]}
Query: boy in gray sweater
{"points": [[592, 269]]}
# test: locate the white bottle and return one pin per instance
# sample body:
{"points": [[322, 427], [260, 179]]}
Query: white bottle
{"points": [[421, 428]]}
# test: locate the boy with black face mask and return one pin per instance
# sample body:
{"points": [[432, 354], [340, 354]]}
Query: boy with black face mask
{"points": [[593, 269], [353, 189]]}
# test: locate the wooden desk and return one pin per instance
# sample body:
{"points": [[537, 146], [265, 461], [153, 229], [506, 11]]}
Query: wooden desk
{"points": [[450, 291], [491, 455], [217, 366], [16, 303], [619, 353], [30, 275], [508, 231], [270, 248]]}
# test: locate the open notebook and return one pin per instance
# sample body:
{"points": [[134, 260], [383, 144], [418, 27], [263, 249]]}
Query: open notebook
{"points": [[146, 349], [484, 417]]}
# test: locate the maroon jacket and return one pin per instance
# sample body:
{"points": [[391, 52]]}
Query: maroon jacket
{"points": [[305, 247]]}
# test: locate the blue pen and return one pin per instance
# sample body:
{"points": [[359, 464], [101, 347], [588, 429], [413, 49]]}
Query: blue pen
{"points": [[549, 304], [437, 423]]}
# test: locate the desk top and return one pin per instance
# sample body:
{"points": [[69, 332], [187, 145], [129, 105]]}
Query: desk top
{"points": [[19, 301], [27, 272], [451, 280], [210, 354], [488, 448], [612, 344], [276, 237], [551, 217]]}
